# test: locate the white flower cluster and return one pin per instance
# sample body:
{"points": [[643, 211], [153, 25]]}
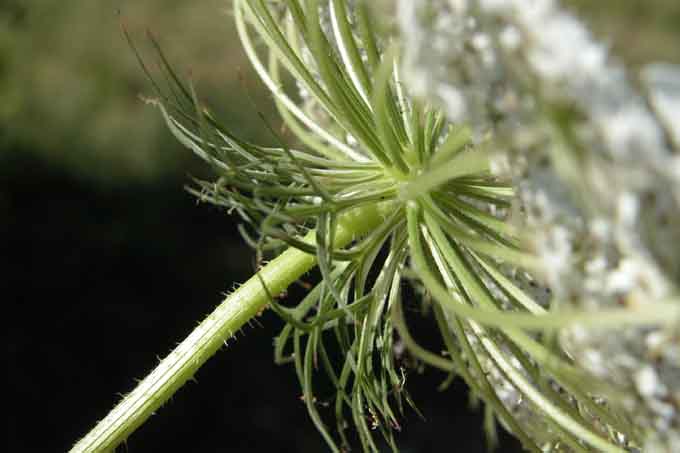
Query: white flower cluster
{"points": [[544, 432], [595, 156]]}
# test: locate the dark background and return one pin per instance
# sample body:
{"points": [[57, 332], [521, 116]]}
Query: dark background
{"points": [[108, 263]]}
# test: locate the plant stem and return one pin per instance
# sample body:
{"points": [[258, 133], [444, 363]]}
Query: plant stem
{"points": [[209, 336]]}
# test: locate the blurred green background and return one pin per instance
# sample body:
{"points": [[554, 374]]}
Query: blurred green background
{"points": [[111, 262], [70, 84]]}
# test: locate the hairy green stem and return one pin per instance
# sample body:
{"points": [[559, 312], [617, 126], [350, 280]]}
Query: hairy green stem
{"points": [[209, 336]]}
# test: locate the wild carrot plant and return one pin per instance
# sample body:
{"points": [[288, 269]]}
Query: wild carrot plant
{"points": [[487, 154]]}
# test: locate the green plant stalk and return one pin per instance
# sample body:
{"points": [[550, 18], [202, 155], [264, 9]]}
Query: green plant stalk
{"points": [[211, 334]]}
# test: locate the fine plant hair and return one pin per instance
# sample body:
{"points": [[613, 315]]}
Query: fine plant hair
{"points": [[440, 147]]}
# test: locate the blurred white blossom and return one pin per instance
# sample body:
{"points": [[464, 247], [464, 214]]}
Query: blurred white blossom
{"points": [[594, 155]]}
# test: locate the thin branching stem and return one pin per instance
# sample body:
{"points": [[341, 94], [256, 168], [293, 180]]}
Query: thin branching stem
{"points": [[209, 336]]}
